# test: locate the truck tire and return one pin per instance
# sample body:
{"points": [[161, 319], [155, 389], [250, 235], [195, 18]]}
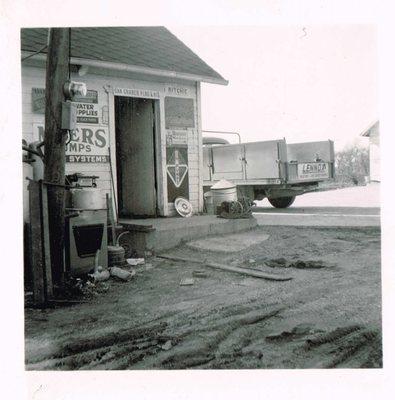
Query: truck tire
{"points": [[282, 202]]}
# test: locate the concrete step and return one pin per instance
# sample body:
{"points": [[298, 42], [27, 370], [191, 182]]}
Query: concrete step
{"points": [[159, 234]]}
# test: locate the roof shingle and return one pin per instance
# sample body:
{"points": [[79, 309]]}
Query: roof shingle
{"points": [[152, 47]]}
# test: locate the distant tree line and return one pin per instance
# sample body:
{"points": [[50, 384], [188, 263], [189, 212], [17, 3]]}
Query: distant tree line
{"points": [[352, 165]]}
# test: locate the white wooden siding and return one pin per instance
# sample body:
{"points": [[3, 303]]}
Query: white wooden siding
{"points": [[35, 77]]}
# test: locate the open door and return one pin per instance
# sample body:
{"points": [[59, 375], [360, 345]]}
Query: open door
{"points": [[135, 153]]}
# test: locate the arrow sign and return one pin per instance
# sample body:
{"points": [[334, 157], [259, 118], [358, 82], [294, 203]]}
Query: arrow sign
{"points": [[177, 168]]}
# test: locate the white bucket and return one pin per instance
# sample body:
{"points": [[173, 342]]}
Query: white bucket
{"points": [[223, 191]]}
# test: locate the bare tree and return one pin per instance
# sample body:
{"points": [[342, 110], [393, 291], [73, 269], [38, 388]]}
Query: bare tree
{"points": [[352, 165]]}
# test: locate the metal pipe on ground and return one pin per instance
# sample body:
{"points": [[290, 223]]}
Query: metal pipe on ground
{"points": [[237, 270]]}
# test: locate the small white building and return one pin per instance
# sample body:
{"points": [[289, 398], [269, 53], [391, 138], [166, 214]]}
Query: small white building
{"points": [[373, 133], [140, 122]]}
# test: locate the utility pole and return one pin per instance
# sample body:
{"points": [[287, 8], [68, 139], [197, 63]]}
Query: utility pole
{"points": [[57, 73]]}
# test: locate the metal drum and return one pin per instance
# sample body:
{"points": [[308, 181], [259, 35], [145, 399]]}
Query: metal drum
{"points": [[116, 256], [88, 199], [223, 191]]}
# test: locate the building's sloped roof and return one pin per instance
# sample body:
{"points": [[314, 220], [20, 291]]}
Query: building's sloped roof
{"points": [[373, 128], [149, 47]]}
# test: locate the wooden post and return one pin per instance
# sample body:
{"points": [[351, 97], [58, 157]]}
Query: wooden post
{"points": [[36, 253], [111, 219], [57, 74], [46, 242]]}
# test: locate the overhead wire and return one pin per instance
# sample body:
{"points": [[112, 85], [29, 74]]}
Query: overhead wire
{"points": [[33, 54], [38, 51]]}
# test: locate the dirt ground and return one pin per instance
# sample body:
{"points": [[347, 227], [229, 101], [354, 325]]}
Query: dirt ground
{"points": [[327, 316]]}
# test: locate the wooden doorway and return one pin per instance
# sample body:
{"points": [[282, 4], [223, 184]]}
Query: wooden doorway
{"points": [[135, 156]]}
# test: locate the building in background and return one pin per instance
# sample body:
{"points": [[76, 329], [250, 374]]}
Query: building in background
{"points": [[140, 122], [373, 133]]}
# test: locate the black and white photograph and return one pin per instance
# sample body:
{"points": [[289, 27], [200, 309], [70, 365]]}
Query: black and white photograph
{"points": [[201, 197]]}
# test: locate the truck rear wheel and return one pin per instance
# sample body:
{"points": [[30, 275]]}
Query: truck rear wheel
{"points": [[282, 202]]}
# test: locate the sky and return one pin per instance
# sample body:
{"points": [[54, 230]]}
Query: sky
{"points": [[304, 83]]}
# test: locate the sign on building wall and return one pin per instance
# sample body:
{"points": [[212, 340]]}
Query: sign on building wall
{"points": [[88, 110], [87, 144], [177, 90], [38, 100], [145, 93], [179, 113], [174, 138], [177, 173]]}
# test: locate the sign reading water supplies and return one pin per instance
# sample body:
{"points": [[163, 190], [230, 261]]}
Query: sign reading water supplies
{"points": [[88, 144], [87, 106], [87, 113]]}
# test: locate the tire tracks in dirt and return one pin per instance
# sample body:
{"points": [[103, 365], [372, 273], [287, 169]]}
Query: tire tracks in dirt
{"points": [[199, 346]]}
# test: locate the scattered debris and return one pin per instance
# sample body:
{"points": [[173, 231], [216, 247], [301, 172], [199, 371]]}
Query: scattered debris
{"points": [[122, 274], [200, 274], [236, 209], [187, 282], [167, 346], [300, 264], [100, 275], [77, 290], [308, 264], [135, 261]]}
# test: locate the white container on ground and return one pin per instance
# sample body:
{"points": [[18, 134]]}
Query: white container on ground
{"points": [[223, 191]]}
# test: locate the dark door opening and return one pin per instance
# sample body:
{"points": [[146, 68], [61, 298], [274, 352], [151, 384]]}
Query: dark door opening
{"points": [[135, 157]]}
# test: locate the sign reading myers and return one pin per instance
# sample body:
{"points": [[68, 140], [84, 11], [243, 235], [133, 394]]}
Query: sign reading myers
{"points": [[146, 93], [176, 138], [88, 144], [87, 106]]}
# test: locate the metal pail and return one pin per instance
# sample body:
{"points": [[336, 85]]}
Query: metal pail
{"points": [[88, 199], [223, 191]]}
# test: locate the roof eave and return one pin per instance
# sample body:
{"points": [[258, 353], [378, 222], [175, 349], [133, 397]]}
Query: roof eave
{"points": [[136, 69], [366, 132]]}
